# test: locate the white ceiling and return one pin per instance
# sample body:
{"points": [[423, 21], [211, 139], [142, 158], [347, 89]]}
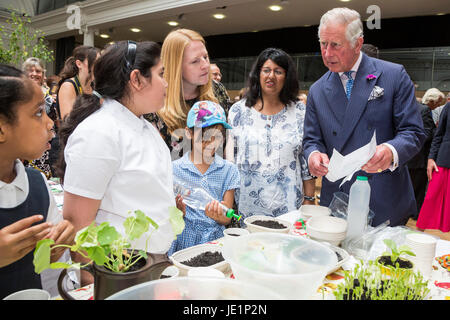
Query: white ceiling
{"points": [[241, 15], [248, 16]]}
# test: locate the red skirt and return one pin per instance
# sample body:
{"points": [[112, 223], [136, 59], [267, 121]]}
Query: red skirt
{"points": [[435, 211]]}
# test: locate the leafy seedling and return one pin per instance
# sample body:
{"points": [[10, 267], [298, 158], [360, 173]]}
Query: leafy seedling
{"points": [[105, 246]]}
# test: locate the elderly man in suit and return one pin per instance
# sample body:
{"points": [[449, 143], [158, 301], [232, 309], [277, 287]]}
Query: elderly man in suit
{"points": [[357, 96]]}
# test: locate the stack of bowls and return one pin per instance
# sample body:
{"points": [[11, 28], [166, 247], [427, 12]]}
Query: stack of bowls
{"points": [[309, 210], [424, 247], [327, 228]]}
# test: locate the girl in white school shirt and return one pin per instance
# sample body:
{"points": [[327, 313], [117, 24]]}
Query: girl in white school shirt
{"points": [[114, 160]]}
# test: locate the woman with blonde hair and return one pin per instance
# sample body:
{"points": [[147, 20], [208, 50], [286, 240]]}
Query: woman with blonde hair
{"points": [[187, 72]]}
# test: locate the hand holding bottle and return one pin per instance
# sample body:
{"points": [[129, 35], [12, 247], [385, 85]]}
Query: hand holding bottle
{"points": [[180, 204], [214, 210]]}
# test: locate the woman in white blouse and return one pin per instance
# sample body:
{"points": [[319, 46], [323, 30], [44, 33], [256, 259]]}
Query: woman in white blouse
{"points": [[114, 160]]}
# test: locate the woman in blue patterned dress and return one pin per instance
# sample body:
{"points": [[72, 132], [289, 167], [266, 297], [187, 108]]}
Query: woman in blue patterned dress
{"points": [[266, 140]]}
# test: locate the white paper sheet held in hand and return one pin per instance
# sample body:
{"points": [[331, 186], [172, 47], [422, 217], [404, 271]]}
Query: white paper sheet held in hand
{"points": [[345, 166]]}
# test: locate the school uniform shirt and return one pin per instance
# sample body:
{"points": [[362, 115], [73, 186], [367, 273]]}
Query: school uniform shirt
{"points": [[15, 193], [221, 176], [120, 159]]}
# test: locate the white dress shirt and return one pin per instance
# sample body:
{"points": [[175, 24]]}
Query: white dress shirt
{"points": [[15, 193], [344, 80], [120, 159]]}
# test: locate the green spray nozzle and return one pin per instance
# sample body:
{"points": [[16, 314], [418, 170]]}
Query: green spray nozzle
{"points": [[230, 213]]}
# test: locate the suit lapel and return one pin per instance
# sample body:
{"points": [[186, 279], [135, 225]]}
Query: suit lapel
{"points": [[362, 88], [335, 95]]}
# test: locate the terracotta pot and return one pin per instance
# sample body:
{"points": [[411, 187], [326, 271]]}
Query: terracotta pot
{"points": [[107, 282]]}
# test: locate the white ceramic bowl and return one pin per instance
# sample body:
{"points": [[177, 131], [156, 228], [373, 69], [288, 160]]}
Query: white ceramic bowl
{"points": [[194, 251], [327, 228], [235, 232], [255, 228], [310, 210]]}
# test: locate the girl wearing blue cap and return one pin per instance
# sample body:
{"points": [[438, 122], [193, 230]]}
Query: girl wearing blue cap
{"points": [[202, 167]]}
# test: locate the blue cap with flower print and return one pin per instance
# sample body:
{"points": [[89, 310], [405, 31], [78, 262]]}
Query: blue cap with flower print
{"points": [[206, 113]]}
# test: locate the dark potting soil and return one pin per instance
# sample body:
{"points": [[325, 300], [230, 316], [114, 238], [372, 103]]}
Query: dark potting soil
{"points": [[386, 260], [338, 256], [269, 224], [233, 234], [135, 267], [138, 265], [204, 259]]}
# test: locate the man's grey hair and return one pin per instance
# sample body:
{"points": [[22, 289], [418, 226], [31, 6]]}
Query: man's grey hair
{"points": [[344, 16], [432, 95]]}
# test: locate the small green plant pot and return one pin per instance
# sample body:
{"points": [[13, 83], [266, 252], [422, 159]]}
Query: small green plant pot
{"points": [[392, 270]]}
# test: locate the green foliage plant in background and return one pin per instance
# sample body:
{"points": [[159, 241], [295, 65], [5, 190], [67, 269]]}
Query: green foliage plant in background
{"points": [[22, 41]]}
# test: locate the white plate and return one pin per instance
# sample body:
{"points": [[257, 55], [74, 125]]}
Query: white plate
{"points": [[194, 251]]}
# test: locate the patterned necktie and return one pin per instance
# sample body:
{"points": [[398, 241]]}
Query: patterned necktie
{"points": [[349, 86]]}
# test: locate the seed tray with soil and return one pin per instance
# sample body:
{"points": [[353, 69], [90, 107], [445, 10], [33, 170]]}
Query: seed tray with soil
{"points": [[205, 259], [202, 255], [269, 224]]}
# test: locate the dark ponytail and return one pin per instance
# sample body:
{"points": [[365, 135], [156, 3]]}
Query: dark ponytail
{"points": [[111, 76], [15, 88], [81, 53]]}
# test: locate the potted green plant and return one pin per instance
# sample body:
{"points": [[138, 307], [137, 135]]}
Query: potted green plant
{"points": [[368, 282], [113, 261], [393, 258]]}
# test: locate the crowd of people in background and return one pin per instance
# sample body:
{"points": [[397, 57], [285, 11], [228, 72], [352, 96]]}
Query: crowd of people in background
{"points": [[125, 122]]}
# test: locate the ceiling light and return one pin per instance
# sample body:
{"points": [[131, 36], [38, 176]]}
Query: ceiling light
{"points": [[275, 8], [345, 0], [135, 30], [172, 23], [219, 16], [440, 14], [104, 36]]}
